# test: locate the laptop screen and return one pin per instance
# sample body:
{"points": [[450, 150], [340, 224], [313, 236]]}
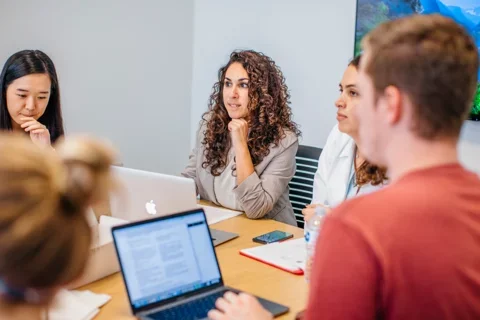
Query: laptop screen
{"points": [[166, 258]]}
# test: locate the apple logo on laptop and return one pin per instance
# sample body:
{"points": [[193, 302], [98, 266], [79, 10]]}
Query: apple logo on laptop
{"points": [[150, 207]]}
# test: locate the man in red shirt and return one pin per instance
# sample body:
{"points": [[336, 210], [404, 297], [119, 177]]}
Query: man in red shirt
{"points": [[412, 250]]}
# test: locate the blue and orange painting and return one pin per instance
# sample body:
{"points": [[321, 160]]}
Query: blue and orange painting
{"points": [[371, 13]]}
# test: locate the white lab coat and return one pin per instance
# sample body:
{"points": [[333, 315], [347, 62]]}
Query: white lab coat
{"points": [[334, 169]]}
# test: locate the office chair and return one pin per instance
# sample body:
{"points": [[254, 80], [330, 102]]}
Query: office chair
{"points": [[301, 185]]}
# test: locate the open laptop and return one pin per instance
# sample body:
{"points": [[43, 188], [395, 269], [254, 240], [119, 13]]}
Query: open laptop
{"points": [[145, 195], [170, 268]]}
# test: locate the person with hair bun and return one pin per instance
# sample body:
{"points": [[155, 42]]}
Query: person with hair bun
{"points": [[44, 235], [343, 172], [244, 156]]}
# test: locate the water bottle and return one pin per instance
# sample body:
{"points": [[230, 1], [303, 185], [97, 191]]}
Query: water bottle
{"points": [[312, 229]]}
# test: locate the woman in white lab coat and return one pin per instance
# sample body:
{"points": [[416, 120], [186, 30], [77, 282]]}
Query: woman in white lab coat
{"points": [[342, 171]]}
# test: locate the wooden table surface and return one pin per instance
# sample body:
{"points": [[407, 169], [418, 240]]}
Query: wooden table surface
{"points": [[238, 272]]}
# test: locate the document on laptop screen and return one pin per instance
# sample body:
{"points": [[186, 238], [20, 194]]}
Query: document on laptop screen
{"points": [[166, 258]]}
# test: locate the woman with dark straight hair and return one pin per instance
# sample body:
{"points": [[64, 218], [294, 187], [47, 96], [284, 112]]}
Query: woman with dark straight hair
{"points": [[30, 97]]}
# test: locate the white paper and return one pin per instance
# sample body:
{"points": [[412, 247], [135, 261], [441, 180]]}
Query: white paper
{"points": [[76, 305], [290, 254], [91, 299], [215, 214]]}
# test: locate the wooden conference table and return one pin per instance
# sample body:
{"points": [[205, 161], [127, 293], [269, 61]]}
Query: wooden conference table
{"points": [[238, 272]]}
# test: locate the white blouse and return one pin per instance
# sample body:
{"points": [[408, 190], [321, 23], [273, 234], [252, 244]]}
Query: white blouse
{"points": [[226, 181]]}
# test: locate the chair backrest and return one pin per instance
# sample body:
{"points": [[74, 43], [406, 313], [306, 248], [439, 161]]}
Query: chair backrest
{"points": [[301, 186]]}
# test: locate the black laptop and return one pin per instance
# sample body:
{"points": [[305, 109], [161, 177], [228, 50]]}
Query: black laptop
{"points": [[170, 268]]}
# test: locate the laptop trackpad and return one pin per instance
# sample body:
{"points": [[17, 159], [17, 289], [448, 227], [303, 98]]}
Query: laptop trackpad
{"points": [[219, 237], [273, 307]]}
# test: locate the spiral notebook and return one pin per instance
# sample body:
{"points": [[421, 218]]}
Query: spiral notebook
{"points": [[289, 255]]}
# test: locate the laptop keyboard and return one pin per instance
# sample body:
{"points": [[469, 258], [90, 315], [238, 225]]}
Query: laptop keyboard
{"points": [[196, 309]]}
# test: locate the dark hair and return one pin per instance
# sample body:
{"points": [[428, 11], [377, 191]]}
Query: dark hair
{"points": [[270, 115], [367, 172], [434, 61], [355, 62], [24, 63]]}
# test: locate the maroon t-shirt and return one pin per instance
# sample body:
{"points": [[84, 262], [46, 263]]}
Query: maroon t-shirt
{"points": [[410, 251]]}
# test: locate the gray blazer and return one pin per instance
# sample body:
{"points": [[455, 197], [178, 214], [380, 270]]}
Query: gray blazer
{"points": [[264, 194]]}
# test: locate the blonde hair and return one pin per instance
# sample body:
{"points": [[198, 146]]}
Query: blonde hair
{"points": [[44, 234]]}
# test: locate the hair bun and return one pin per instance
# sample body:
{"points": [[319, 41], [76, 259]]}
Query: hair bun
{"points": [[87, 180], [68, 205]]}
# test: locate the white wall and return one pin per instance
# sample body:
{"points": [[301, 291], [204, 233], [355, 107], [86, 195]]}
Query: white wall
{"points": [[125, 69], [312, 42], [470, 146]]}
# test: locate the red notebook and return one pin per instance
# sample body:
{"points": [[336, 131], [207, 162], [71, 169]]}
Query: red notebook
{"points": [[288, 255]]}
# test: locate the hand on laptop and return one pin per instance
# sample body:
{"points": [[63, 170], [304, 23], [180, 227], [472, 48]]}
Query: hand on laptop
{"points": [[239, 307]]}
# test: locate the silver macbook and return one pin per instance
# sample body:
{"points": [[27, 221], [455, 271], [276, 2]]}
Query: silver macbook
{"points": [[145, 195], [170, 267]]}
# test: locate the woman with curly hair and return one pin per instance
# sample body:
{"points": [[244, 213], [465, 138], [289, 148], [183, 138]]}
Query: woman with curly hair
{"points": [[244, 155], [343, 172]]}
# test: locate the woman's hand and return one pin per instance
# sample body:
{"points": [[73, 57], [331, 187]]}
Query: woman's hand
{"points": [[38, 132], [309, 210], [238, 133]]}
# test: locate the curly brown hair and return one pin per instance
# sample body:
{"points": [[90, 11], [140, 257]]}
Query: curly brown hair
{"points": [[367, 172], [370, 173], [269, 113]]}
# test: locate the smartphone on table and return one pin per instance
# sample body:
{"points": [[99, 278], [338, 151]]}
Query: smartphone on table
{"points": [[273, 236]]}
